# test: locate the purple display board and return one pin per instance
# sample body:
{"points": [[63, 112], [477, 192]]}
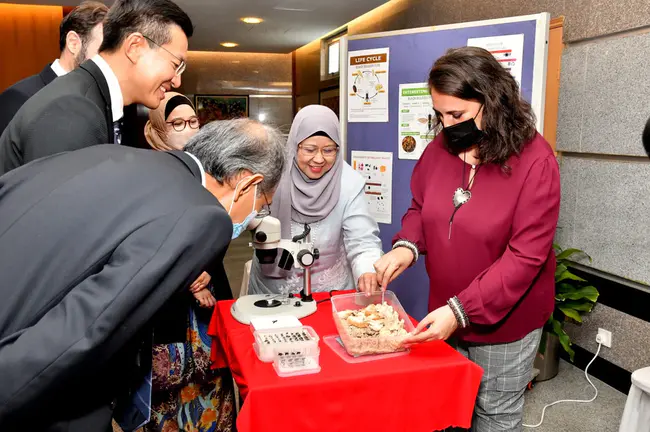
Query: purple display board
{"points": [[411, 57]]}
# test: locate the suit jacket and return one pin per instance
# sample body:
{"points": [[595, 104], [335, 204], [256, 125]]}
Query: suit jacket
{"points": [[73, 112], [15, 96], [92, 244]]}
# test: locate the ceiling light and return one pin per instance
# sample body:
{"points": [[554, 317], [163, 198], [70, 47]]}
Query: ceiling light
{"points": [[229, 44], [252, 20]]}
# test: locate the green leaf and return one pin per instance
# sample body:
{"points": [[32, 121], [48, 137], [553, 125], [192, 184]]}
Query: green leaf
{"points": [[567, 275], [581, 306], [564, 288], [557, 247], [565, 341], [542, 345], [566, 254], [588, 292], [571, 313], [561, 268]]}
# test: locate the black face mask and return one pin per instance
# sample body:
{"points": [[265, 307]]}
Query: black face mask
{"points": [[463, 135]]}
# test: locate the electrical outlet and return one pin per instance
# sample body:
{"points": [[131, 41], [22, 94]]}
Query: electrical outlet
{"points": [[604, 337]]}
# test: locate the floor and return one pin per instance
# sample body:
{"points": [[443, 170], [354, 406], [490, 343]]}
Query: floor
{"points": [[602, 415]]}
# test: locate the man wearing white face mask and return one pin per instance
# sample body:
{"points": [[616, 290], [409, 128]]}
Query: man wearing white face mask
{"points": [[98, 250]]}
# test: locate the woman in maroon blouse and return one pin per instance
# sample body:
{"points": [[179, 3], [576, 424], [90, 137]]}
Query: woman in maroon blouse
{"points": [[486, 197]]}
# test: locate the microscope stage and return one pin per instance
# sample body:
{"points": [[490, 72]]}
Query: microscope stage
{"points": [[262, 305]]}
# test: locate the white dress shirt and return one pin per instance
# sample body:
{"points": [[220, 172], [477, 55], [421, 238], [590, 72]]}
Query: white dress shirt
{"points": [[57, 68], [198, 162]]}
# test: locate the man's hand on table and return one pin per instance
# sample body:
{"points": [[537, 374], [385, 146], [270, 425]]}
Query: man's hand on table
{"points": [[367, 283], [442, 323]]}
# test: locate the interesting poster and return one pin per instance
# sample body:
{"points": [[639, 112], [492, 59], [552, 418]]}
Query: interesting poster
{"points": [[416, 120], [377, 170], [368, 86], [508, 50]]}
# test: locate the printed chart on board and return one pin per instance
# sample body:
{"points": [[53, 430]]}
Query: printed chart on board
{"points": [[508, 50], [377, 170], [368, 86], [417, 120]]}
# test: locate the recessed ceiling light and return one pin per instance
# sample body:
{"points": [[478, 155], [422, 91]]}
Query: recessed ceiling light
{"points": [[229, 44], [252, 20]]}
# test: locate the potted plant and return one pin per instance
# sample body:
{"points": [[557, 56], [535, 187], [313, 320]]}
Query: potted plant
{"points": [[574, 297]]}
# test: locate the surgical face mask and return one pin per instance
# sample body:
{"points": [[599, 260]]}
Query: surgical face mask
{"points": [[463, 135], [238, 228]]}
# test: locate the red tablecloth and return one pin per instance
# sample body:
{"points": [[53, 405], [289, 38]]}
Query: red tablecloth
{"points": [[432, 388]]}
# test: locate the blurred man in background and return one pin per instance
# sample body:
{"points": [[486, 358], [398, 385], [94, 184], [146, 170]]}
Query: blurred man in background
{"points": [[80, 36], [141, 57]]}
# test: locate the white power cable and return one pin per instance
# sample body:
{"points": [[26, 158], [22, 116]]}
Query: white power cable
{"points": [[572, 400]]}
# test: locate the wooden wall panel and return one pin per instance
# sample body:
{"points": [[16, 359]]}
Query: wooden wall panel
{"points": [[29, 37]]}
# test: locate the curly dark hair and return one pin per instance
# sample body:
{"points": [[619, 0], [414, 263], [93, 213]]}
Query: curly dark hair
{"points": [[472, 73]]}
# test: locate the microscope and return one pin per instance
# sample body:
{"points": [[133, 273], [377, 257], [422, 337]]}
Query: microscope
{"points": [[298, 252]]}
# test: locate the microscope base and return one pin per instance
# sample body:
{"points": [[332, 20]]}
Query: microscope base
{"points": [[245, 307]]}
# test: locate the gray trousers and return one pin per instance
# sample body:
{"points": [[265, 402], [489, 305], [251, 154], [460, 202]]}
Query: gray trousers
{"points": [[507, 370]]}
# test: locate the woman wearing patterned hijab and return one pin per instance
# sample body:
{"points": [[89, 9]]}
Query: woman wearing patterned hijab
{"points": [[322, 190], [186, 393]]}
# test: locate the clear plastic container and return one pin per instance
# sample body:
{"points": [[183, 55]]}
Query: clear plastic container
{"points": [[369, 345], [301, 340], [332, 341], [296, 362]]}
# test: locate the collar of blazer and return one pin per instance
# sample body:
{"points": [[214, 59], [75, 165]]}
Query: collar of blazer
{"points": [[94, 71], [47, 75], [189, 162]]}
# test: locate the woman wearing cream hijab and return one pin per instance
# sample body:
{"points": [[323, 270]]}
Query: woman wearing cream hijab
{"points": [[187, 394], [172, 124]]}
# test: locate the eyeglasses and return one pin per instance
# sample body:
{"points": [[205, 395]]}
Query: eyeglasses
{"points": [[180, 68], [180, 124], [311, 151], [265, 210]]}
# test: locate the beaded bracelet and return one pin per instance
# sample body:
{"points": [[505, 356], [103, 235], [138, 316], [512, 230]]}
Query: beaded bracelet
{"points": [[408, 245], [459, 312]]}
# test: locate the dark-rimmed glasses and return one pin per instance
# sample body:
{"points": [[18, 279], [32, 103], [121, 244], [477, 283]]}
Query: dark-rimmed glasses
{"points": [[179, 124]]}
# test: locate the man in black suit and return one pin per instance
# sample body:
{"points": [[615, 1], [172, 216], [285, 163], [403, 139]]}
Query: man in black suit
{"points": [[141, 57], [80, 35], [94, 242]]}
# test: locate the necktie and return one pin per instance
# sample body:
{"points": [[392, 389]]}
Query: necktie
{"points": [[117, 132]]}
